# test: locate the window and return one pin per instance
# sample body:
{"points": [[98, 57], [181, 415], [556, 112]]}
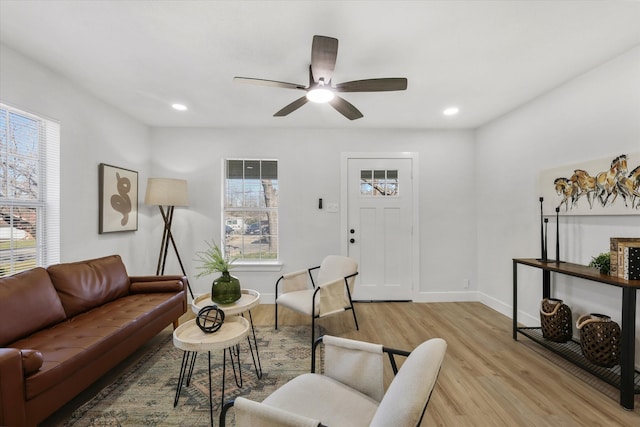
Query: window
{"points": [[250, 215], [378, 182], [29, 191]]}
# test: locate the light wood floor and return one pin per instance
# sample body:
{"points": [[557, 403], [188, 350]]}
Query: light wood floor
{"points": [[487, 378]]}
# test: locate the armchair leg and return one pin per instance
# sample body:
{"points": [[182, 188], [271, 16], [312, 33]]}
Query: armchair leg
{"points": [[354, 316], [313, 330], [276, 304]]}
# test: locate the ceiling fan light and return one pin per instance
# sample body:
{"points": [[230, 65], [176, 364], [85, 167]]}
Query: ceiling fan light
{"points": [[320, 95]]}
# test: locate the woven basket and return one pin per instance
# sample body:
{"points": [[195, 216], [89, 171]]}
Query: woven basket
{"points": [[555, 319], [599, 339]]}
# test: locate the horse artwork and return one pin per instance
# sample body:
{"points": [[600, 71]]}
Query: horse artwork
{"points": [[600, 187], [628, 188]]}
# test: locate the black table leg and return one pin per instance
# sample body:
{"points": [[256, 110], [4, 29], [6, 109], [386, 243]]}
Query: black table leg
{"points": [[181, 377], [224, 374], [210, 394], [546, 284], [515, 301], [194, 355], [627, 348], [237, 375], [257, 364]]}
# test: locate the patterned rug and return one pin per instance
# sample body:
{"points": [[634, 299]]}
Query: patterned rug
{"points": [[144, 394]]}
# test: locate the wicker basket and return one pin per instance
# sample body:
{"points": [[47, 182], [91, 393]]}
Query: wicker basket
{"points": [[555, 319], [599, 339]]}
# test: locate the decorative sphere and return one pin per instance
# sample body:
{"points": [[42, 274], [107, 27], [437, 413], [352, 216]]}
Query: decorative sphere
{"points": [[210, 319]]}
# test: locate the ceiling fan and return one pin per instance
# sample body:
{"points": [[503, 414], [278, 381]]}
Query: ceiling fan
{"points": [[324, 51]]}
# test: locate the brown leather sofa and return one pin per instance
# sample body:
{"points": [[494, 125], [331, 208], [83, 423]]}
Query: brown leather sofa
{"points": [[63, 327]]}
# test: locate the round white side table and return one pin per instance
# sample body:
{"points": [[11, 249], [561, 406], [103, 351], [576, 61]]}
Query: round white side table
{"points": [[248, 300], [190, 338]]}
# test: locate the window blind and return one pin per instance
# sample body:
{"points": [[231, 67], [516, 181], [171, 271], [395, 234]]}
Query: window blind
{"points": [[29, 190]]}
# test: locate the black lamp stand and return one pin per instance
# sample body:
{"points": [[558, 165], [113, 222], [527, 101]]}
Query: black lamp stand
{"points": [[164, 247]]}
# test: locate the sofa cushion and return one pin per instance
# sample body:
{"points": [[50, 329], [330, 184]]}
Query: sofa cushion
{"points": [[84, 340], [28, 303], [87, 284]]}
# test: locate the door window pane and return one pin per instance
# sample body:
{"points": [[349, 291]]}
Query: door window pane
{"points": [[378, 182]]}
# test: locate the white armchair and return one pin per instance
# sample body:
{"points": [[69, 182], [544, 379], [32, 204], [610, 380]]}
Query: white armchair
{"points": [[331, 295], [350, 391]]}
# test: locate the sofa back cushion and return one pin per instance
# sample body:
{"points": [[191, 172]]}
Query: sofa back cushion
{"points": [[28, 303], [87, 284]]}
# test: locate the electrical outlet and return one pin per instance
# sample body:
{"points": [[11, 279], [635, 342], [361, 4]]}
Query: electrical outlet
{"points": [[466, 283], [332, 207]]}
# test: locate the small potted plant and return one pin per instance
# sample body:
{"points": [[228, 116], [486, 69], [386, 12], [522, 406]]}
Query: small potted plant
{"points": [[226, 288], [602, 262]]}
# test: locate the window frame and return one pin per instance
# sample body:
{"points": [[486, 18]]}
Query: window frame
{"points": [[47, 203], [249, 264]]}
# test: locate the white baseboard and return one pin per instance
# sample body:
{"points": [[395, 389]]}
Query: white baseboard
{"points": [[506, 309], [462, 296], [267, 298], [493, 303]]}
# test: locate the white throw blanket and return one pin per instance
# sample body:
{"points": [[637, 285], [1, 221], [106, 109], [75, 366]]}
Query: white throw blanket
{"points": [[355, 363]]}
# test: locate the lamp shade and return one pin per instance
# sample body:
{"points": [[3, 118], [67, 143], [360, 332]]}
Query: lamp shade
{"points": [[166, 192]]}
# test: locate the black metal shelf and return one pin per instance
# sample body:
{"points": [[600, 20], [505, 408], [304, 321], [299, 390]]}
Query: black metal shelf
{"points": [[572, 352]]}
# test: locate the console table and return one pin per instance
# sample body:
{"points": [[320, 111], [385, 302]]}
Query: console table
{"points": [[623, 376]]}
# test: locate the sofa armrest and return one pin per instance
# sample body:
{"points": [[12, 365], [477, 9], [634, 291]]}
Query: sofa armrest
{"points": [[12, 388], [149, 284], [32, 361]]}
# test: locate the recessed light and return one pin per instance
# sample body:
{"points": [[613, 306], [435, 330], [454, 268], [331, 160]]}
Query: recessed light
{"points": [[179, 107], [451, 111]]}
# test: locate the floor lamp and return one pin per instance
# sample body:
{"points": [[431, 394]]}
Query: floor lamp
{"points": [[169, 193]]}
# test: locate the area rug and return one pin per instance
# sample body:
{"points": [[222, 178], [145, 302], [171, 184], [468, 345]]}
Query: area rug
{"points": [[144, 394]]}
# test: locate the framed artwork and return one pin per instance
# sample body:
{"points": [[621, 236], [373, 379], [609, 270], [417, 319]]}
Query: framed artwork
{"points": [[118, 188], [607, 186]]}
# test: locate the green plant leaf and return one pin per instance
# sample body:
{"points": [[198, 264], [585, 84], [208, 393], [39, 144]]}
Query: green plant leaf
{"points": [[211, 260]]}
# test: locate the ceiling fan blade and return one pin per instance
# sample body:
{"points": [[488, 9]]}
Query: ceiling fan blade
{"points": [[345, 108], [324, 51], [292, 107], [373, 85], [263, 82]]}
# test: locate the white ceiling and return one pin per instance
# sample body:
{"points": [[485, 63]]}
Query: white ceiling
{"points": [[487, 57]]}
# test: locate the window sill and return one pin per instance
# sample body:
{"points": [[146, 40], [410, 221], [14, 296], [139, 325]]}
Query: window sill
{"points": [[257, 266]]}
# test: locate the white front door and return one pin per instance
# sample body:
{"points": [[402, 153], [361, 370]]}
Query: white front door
{"points": [[380, 226]]}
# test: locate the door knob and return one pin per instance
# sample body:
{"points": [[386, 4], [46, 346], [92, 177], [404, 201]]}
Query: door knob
{"points": [[352, 240], [352, 231]]}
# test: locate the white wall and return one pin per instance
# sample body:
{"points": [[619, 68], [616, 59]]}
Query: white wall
{"points": [[309, 168], [92, 132], [596, 115], [478, 199]]}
